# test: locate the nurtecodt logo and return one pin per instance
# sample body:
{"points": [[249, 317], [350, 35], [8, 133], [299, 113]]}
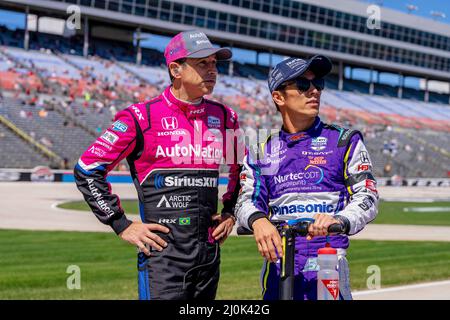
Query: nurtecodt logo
{"points": [[311, 173]]}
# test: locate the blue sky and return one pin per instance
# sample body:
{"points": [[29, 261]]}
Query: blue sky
{"points": [[424, 7]]}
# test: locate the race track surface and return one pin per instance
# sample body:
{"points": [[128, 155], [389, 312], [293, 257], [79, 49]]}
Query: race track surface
{"points": [[32, 206]]}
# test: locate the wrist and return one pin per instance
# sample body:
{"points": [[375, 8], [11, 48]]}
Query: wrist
{"points": [[120, 224], [344, 222], [254, 217], [226, 215]]}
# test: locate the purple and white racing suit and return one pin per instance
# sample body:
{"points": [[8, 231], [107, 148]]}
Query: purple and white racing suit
{"points": [[174, 150], [325, 169]]}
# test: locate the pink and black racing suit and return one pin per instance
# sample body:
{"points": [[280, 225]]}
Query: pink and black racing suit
{"points": [[174, 151]]}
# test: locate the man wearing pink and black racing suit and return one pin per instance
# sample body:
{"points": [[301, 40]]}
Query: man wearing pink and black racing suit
{"points": [[174, 145]]}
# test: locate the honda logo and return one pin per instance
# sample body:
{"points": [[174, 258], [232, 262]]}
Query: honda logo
{"points": [[364, 157], [169, 123]]}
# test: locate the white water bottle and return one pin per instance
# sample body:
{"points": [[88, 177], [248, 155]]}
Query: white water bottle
{"points": [[327, 276]]}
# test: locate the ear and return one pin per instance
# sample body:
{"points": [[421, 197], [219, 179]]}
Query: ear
{"points": [[278, 98], [175, 70]]}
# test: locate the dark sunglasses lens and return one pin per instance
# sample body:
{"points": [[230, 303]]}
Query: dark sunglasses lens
{"points": [[319, 84], [303, 84]]}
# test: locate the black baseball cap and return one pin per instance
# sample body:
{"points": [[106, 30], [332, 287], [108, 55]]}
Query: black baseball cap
{"points": [[292, 68]]}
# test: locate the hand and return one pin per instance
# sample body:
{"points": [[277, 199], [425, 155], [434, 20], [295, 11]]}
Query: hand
{"points": [[268, 239], [140, 234], [320, 225], [224, 228]]}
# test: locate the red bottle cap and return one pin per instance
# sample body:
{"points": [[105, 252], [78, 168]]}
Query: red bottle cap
{"points": [[327, 251]]}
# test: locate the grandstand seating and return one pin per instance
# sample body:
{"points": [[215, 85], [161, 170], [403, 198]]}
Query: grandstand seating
{"points": [[105, 71], [356, 86], [62, 137], [438, 98], [16, 153], [385, 90], [49, 64], [421, 130], [5, 63], [154, 76], [12, 38]]}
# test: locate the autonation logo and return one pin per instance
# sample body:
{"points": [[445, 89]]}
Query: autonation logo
{"points": [[175, 181], [302, 208], [208, 152]]}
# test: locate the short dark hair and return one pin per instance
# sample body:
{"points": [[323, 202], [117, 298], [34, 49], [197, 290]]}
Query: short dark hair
{"points": [[179, 61]]}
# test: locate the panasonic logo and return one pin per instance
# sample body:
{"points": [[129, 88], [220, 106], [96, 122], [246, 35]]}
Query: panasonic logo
{"points": [[301, 208]]}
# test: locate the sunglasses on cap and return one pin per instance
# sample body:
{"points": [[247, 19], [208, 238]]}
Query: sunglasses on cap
{"points": [[304, 84]]}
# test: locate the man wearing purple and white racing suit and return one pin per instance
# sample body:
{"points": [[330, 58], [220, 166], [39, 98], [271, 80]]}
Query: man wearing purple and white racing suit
{"points": [[174, 145], [308, 170]]}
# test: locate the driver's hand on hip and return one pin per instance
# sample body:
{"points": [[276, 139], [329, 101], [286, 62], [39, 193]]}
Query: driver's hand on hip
{"points": [[320, 225], [268, 239], [141, 234]]}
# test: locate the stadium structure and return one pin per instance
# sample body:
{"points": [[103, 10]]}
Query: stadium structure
{"points": [[59, 90]]}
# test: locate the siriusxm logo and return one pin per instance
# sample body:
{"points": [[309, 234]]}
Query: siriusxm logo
{"points": [[175, 181], [302, 208]]}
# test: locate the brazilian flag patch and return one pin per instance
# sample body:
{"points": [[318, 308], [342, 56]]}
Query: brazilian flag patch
{"points": [[184, 221]]}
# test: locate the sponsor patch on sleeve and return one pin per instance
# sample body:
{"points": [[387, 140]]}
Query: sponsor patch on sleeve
{"points": [[97, 151], [371, 185], [119, 126], [366, 204], [363, 167], [110, 137]]}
